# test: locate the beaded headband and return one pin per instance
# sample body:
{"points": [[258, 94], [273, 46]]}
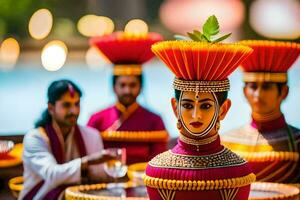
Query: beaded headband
{"points": [[201, 86]]}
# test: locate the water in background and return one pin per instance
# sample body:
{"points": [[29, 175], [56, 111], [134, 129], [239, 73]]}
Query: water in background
{"points": [[23, 95]]}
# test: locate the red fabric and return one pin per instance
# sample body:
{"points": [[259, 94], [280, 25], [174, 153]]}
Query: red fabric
{"points": [[57, 151], [202, 61], [270, 56], [55, 144], [274, 173], [6, 156], [140, 120], [121, 50], [270, 125]]}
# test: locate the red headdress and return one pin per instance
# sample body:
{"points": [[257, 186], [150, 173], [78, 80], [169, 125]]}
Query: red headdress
{"points": [[270, 60], [126, 52]]}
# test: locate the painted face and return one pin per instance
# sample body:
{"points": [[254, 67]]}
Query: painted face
{"points": [[197, 115], [127, 89], [66, 110], [263, 97]]}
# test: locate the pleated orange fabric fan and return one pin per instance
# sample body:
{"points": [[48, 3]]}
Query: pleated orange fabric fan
{"points": [[126, 52], [207, 63], [191, 60], [270, 60]]}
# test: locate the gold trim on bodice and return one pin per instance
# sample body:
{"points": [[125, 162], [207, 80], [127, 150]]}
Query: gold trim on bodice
{"points": [[224, 158], [171, 184]]}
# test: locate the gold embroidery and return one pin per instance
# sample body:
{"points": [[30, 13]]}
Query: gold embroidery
{"points": [[229, 194], [223, 158], [166, 194], [201, 86]]}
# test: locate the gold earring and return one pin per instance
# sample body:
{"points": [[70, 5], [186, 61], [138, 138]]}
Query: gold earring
{"points": [[179, 124], [217, 127]]}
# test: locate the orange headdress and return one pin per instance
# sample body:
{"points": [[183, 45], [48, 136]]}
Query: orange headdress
{"points": [[126, 52], [201, 66], [270, 60]]}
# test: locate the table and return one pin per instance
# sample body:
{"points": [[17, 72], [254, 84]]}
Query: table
{"points": [[132, 191]]}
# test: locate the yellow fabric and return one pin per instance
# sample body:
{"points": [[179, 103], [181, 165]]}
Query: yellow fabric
{"points": [[269, 156], [261, 153], [246, 148], [265, 77], [127, 70], [188, 45], [137, 167], [135, 136], [16, 183]]}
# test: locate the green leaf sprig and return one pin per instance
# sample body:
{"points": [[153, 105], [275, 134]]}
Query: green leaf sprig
{"points": [[209, 30]]}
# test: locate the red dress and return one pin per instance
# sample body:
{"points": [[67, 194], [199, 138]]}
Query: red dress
{"points": [[209, 171]]}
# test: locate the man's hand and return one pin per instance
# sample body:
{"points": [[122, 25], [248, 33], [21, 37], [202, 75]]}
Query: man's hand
{"points": [[96, 158]]}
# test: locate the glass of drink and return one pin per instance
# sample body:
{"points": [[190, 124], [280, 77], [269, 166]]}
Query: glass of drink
{"points": [[116, 168]]}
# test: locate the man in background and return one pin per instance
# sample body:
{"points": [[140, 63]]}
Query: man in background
{"points": [[59, 152], [127, 124]]}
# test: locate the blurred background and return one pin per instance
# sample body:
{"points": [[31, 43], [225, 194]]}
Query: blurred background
{"points": [[41, 41]]}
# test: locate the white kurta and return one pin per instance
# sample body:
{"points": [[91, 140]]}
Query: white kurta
{"points": [[40, 164]]}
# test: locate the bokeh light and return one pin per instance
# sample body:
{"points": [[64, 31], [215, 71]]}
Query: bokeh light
{"points": [[9, 53], [183, 16], [40, 24], [54, 55], [136, 27], [276, 18], [93, 25]]}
